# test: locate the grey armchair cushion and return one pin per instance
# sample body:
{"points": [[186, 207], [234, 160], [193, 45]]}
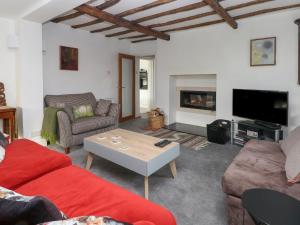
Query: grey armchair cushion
{"points": [[102, 107], [91, 123], [71, 99]]}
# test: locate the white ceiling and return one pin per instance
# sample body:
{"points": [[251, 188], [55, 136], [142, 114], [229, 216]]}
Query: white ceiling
{"points": [[16, 8], [124, 5]]}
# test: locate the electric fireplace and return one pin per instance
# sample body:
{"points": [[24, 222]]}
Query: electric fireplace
{"points": [[205, 100]]}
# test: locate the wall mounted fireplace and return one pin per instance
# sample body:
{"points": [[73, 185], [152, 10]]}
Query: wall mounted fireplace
{"points": [[205, 100]]}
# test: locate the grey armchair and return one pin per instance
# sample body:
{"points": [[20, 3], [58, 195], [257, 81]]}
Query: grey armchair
{"points": [[72, 132]]}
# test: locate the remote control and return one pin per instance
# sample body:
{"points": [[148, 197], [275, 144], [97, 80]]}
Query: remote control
{"points": [[162, 143]]}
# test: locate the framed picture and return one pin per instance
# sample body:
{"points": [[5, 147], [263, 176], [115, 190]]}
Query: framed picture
{"points": [[68, 58], [263, 52]]}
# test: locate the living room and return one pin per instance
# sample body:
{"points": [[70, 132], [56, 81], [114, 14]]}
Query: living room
{"points": [[239, 56]]}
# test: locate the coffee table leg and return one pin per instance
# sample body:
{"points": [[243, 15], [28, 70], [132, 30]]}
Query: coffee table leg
{"points": [[173, 168], [89, 161], [146, 188]]}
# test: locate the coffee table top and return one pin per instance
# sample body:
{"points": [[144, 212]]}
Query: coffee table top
{"points": [[131, 143]]}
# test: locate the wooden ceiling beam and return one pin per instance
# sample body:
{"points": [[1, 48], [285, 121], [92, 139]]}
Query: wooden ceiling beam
{"points": [[215, 5], [157, 15], [142, 40], [242, 16], [92, 11], [198, 16], [127, 12], [102, 6], [133, 37], [171, 22]]}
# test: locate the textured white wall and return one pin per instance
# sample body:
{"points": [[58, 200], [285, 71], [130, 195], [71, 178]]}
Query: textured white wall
{"points": [[223, 51], [7, 61], [98, 62]]}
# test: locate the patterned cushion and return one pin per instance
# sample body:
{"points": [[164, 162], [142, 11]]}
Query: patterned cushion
{"points": [[2, 153], [91, 123], [19, 209], [87, 220], [102, 107], [292, 165], [67, 108], [292, 139], [82, 111], [72, 99], [3, 140]]}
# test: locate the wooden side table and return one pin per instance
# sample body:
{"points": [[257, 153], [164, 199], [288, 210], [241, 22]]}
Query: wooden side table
{"points": [[8, 114]]}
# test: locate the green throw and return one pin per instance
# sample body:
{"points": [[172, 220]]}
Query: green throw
{"points": [[49, 127]]}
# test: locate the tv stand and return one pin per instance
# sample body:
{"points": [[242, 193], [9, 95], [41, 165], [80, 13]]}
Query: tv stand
{"points": [[268, 125], [245, 130]]}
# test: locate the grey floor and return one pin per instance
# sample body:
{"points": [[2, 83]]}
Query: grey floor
{"points": [[195, 197]]}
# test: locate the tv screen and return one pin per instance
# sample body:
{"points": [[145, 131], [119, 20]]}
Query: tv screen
{"points": [[267, 106]]}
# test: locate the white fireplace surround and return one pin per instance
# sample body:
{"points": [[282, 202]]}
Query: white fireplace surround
{"points": [[191, 82]]}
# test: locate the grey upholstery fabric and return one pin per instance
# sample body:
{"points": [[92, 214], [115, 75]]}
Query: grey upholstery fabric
{"points": [[65, 132], [260, 164], [91, 123], [72, 132], [102, 107], [71, 99]]}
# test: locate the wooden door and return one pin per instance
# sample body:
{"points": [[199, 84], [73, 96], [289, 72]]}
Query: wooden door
{"points": [[126, 87]]}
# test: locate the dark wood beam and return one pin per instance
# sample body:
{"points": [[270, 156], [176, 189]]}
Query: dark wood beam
{"points": [[189, 18], [161, 14], [102, 6], [127, 12], [142, 40], [92, 11], [198, 16], [242, 16], [298, 23], [133, 37], [215, 5]]}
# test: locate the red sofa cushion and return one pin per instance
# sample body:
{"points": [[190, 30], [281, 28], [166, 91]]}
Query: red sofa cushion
{"points": [[26, 160], [78, 192]]}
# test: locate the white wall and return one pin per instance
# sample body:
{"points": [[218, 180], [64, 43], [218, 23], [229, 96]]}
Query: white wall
{"points": [[98, 62], [223, 51], [7, 61], [30, 77], [21, 73]]}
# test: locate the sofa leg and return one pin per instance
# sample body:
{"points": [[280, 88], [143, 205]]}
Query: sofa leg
{"points": [[48, 143], [67, 150]]}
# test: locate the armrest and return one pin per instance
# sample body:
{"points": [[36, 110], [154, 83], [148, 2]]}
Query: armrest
{"points": [[114, 111], [65, 132]]}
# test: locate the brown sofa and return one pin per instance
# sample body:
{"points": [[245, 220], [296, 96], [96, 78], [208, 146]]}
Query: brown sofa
{"points": [[260, 164], [73, 132]]}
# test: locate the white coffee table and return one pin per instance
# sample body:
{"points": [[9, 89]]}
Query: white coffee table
{"points": [[133, 151]]}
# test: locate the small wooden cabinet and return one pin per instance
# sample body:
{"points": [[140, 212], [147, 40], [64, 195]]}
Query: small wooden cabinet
{"points": [[8, 114]]}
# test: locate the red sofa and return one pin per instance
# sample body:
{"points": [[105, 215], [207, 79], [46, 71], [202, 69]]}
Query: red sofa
{"points": [[31, 169]]}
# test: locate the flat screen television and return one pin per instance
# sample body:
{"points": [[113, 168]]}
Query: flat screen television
{"points": [[265, 106]]}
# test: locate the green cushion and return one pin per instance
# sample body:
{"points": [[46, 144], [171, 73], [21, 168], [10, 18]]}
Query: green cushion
{"points": [[82, 111]]}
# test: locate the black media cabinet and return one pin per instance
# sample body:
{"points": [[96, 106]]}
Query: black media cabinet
{"points": [[245, 130]]}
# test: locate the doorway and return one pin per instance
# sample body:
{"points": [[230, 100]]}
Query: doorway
{"points": [[146, 83], [126, 87]]}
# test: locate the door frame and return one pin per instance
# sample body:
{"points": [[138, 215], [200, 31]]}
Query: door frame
{"points": [[131, 57]]}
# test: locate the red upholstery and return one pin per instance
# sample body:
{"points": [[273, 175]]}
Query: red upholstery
{"points": [[25, 160], [78, 192]]}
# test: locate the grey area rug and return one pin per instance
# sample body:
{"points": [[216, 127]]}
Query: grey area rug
{"points": [[189, 141], [195, 196]]}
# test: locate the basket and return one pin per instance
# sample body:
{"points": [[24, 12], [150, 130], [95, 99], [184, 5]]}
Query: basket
{"points": [[157, 122]]}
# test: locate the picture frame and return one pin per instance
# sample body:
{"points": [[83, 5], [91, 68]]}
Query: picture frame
{"points": [[68, 58], [263, 51]]}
